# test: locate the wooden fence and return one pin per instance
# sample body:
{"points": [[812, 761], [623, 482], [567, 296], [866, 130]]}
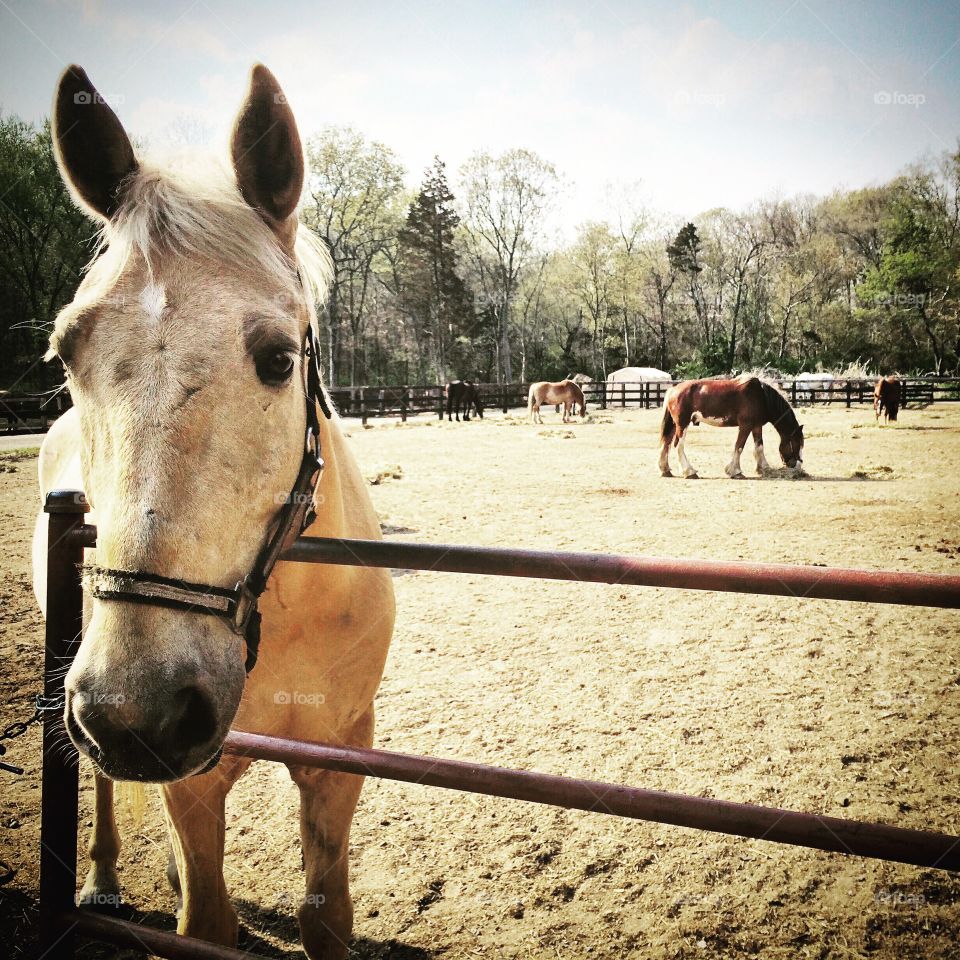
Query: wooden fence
{"points": [[35, 412], [403, 401]]}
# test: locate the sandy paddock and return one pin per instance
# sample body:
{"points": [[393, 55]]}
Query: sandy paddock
{"points": [[845, 709]]}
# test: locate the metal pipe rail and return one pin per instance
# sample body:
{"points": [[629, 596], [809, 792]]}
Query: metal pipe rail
{"points": [[879, 841], [777, 579], [726, 576]]}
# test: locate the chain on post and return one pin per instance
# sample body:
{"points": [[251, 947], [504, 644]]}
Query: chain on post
{"points": [[18, 728]]}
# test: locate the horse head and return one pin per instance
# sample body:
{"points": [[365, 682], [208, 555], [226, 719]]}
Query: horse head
{"points": [[791, 447], [185, 358]]}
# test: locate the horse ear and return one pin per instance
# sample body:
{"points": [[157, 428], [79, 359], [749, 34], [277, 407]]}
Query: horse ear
{"points": [[92, 149], [267, 155]]}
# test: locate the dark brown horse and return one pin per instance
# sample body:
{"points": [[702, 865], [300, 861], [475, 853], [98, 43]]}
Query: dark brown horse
{"points": [[886, 398], [461, 396], [746, 403]]}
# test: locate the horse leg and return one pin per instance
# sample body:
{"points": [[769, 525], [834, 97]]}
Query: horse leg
{"points": [[327, 803], [762, 465], [195, 819], [688, 470], [102, 886], [733, 467]]}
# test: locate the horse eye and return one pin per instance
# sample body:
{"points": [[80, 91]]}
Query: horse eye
{"points": [[274, 367]]}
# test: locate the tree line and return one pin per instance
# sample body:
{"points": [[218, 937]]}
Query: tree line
{"points": [[468, 279]]}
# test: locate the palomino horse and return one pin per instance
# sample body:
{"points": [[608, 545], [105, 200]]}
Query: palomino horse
{"points": [[747, 403], [189, 349], [886, 398], [462, 395], [566, 392]]}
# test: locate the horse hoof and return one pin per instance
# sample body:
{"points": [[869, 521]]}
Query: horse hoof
{"points": [[665, 473], [693, 475], [737, 476]]}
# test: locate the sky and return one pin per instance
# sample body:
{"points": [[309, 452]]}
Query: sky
{"points": [[688, 106]]}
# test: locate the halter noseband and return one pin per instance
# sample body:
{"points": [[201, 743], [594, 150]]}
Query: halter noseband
{"points": [[239, 605]]}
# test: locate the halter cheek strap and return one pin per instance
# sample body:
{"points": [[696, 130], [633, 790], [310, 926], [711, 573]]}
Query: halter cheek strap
{"points": [[239, 605]]}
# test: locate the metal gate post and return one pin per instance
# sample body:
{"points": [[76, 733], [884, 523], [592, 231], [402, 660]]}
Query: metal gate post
{"points": [[58, 807]]}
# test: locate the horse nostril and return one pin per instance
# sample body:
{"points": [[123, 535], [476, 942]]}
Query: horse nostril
{"points": [[192, 720]]}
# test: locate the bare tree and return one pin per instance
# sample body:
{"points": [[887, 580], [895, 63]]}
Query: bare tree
{"points": [[505, 200]]}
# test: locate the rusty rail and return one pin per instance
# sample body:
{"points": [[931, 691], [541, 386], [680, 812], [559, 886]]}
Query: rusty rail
{"points": [[778, 579], [876, 840]]}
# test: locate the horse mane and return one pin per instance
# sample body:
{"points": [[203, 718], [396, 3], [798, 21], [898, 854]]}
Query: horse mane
{"points": [[191, 205], [779, 411]]}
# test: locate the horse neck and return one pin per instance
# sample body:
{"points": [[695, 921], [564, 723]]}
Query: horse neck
{"points": [[343, 506], [785, 422]]}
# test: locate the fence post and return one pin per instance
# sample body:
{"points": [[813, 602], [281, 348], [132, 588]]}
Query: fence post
{"points": [[793, 393], [504, 397], [404, 399], [60, 781], [363, 406], [440, 401], [603, 394], [849, 393], [380, 398]]}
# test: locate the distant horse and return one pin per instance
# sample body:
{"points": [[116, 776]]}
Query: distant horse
{"points": [[886, 398], [747, 403], [565, 392], [579, 378], [461, 396]]}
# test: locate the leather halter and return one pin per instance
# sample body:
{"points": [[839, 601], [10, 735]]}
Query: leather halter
{"points": [[239, 605]]}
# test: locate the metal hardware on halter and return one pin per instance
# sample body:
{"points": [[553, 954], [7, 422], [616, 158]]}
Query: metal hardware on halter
{"points": [[239, 605]]}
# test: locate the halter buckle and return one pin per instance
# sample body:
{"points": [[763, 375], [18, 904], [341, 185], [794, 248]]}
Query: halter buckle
{"points": [[244, 608]]}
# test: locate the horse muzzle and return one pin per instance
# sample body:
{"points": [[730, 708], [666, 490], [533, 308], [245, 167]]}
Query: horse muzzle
{"points": [[155, 740]]}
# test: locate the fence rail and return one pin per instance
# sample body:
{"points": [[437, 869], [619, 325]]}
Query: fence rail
{"points": [[61, 922]]}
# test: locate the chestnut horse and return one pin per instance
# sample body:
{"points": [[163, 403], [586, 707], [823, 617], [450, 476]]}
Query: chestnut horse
{"points": [[461, 396], [747, 403], [564, 392], [190, 350], [886, 398]]}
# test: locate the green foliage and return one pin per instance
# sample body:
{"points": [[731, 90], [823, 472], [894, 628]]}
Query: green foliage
{"points": [[44, 243]]}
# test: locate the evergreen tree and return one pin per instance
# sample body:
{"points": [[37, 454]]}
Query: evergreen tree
{"points": [[433, 293]]}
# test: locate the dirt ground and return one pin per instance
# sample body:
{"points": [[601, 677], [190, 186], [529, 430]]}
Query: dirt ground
{"points": [[844, 709]]}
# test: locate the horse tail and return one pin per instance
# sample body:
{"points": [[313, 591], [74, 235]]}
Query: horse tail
{"points": [[667, 426], [530, 399]]}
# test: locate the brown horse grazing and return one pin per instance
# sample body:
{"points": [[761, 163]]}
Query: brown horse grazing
{"points": [[566, 392], [191, 355], [461, 396], [747, 403], [886, 398]]}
